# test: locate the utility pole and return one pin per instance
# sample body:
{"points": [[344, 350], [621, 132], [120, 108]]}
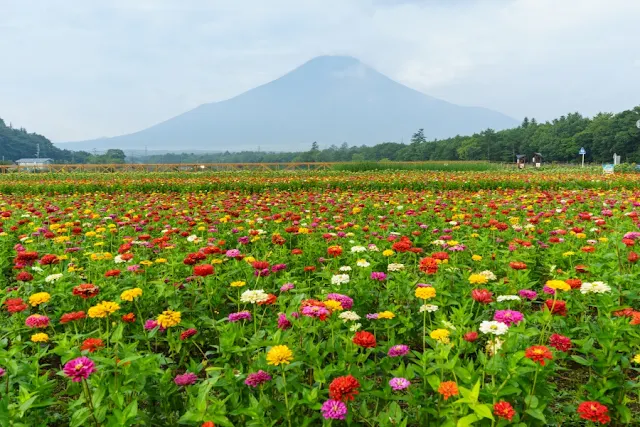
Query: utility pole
{"points": [[37, 151], [146, 157]]}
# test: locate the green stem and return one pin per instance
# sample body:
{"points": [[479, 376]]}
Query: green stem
{"points": [[286, 399]]}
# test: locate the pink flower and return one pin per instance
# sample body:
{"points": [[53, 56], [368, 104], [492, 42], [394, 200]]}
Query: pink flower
{"points": [[344, 300], [334, 410], [508, 317], [287, 287], [186, 379], [79, 369], [378, 275], [257, 378], [37, 321], [399, 383], [398, 350], [283, 322]]}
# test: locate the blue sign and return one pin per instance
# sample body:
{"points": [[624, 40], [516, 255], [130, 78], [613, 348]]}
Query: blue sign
{"points": [[582, 151]]}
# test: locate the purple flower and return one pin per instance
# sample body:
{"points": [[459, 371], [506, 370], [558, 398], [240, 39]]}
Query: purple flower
{"points": [[508, 317], [133, 268], [2, 372], [399, 383], [295, 315], [548, 290], [398, 350], [344, 300], [528, 294], [233, 253], [633, 235], [257, 378], [243, 240], [372, 316], [313, 311], [283, 322], [278, 267], [378, 275], [334, 410], [261, 273], [79, 369], [185, 379], [152, 324], [241, 315], [287, 287]]}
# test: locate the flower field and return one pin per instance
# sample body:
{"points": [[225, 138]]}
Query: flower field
{"points": [[376, 299]]}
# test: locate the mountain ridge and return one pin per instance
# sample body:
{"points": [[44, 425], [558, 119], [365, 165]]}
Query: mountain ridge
{"points": [[328, 99]]}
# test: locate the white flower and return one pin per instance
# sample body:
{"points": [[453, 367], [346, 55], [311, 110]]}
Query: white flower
{"points": [[52, 277], [453, 222], [37, 269], [395, 267], [118, 259], [254, 297], [529, 226], [164, 231], [595, 288], [356, 249], [438, 242], [261, 231], [429, 308], [192, 238], [448, 325], [345, 268], [349, 316], [373, 248], [22, 239], [594, 230], [355, 327], [362, 263], [493, 327], [493, 346], [502, 298], [488, 275], [339, 279]]}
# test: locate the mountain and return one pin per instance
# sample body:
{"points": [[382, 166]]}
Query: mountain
{"points": [[18, 143], [329, 99]]}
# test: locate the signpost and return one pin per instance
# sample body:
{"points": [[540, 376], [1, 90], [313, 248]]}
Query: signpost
{"points": [[582, 152]]}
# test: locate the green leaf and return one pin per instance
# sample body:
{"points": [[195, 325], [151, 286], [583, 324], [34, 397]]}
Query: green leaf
{"points": [[434, 382], [483, 411], [582, 360], [537, 414], [531, 402], [475, 392], [467, 421]]}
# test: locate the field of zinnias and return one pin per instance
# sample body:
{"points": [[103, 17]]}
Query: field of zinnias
{"points": [[415, 299]]}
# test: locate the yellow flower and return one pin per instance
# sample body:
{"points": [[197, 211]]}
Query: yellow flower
{"points": [[603, 239], [40, 337], [102, 309], [581, 236], [476, 258], [146, 262], [452, 242], [425, 292], [386, 315], [441, 335], [636, 358], [568, 254], [161, 260], [333, 305], [169, 318], [477, 279], [279, 354], [387, 252], [558, 284], [238, 284], [475, 235], [39, 298], [130, 294], [216, 261], [249, 259]]}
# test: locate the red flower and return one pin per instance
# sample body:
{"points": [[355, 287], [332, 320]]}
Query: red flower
{"points": [[260, 265], [483, 296], [560, 342], [15, 305], [271, 299], [277, 239], [49, 259], [556, 307], [309, 268], [440, 256], [574, 283], [633, 257], [203, 270], [429, 265], [86, 290], [364, 339], [538, 354], [504, 410], [129, 318], [470, 336], [517, 265], [70, 317], [92, 344], [24, 276], [296, 251], [188, 334], [208, 424], [594, 411], [404, 245], [344, 388], [112, 273], [334, 251], [581, 268]]}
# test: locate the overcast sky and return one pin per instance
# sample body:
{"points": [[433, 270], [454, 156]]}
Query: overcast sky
{"points": [[82, 69]]}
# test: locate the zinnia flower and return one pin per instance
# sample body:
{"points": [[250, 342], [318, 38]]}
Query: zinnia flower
{"points": [[130, 294], [493, 327], [344, 388], [86, 290], [448, 389], [425, 292], [257, 378], [185, 379], [594, 411], [92, 345], [169, 318], [399, 383], [40, 337], [39, 298], [203, 270], [477, 279], [71, 317], [398, 350], [560, 342], [364, 339], [188, 334], [538, 354], [279, 354], [508, 317], [37, 321], [79, 369], [441, 335], [241, 315], [558, 285], [334, 410], [503, 410]]}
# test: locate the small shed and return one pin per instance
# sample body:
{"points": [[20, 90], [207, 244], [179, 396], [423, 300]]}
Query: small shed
{"points": [[537, 159], [35, 163], [520, 160]]}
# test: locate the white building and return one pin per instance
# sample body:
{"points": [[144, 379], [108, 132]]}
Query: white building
{"points": [[34, 163]]}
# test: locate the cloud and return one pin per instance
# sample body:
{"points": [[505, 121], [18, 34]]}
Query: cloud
{"points": [[84, 69]]}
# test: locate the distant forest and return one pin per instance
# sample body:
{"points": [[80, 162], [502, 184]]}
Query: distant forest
{"points": [[557, 141]]}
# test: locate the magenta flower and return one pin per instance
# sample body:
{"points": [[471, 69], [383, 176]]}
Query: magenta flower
{"points": [[344, 300], [241, 315], [378, 275], [508, 317], [283, 322], [548, 290], [399, 383], [257, 378], [243, 240], [232, 253], [334, 410], [313, 311], [2, 372], [278, 267], [398, 350], [152, 324], [79, 369], [287, 287], [185, 379], [37, 321], [528, 294], [372, 316], [133, 268]]}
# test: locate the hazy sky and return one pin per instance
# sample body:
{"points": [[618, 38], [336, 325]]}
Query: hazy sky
{"points": [[81, 69]]}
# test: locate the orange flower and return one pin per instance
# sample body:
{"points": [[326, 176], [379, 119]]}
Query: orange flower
{"points": [[538, 353], [448, 389]]}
